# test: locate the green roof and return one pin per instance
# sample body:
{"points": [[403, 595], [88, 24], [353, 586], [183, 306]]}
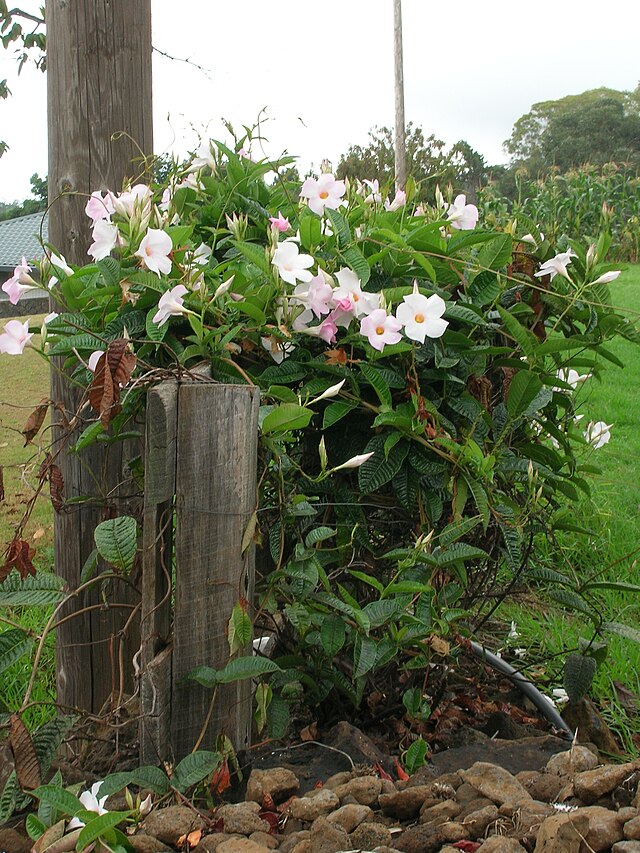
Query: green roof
{"points": [[21, 236]]}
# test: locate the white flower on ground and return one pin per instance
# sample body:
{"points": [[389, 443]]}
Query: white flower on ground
{"points": [[14, 338], [170, 305], [291, 265], [571, 377], [105, 238], [607, 277], [556, 266], [461, 215], [19, 283], [92, 803], [513, 633], [597, 434], [421, 316], [560, 696], [323, 192], [155, 248], [399, 200], [381, 328]]}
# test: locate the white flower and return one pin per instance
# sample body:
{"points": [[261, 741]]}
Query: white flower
{"points": [[597, 434], [399, 200], [105, 238], [291, 265], [170, 305], [606, 277], [556, 266], [276, 349], [154, 249], [90, 801], [421, 316], [323, 192], [15, 336], [462, 215], [221, 289], [351, 298], [332, 391], [560, 695], [375, 197], [571, 377], [513, 633], [355, 461], [203, 158]]}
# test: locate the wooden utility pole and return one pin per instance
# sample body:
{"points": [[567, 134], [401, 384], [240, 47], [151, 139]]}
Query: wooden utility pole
{"points": [[98, 86], [399, 135]]}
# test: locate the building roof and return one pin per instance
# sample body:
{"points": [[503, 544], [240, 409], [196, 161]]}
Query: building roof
{"points": [[21, 236]]}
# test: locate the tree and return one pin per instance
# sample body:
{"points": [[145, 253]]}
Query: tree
{"points": [[428, 162], [598, 126], [29, 205]]}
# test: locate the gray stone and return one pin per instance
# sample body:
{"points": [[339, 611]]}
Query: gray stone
{"points": [[368, 836], [338, 779], [279, 782], [241, 818], [626, 847], [327, 838], [546, 787], [264, 838], [303, 846], [289, 842], [364, 790], [317, 803], [578, 759], [406, 804], [441, 812], [478, 821], [594, 784], [350, 816], [429, 838], [170, 824], [496, 783], [563, 831], [146, 844], [210, 843]]}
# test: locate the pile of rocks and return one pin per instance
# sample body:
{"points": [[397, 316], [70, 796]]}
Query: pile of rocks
{"points": [[572, 805]]}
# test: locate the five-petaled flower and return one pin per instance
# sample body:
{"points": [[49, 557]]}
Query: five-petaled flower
{"points": [[171, 305], [105, 238], [421, 315], [571, 377], [15, 336], [350, 299], [19, 282], [155, 249], [279, 222], [291, 265], [99, 206], [92, 803], [597, 434], [381, 328], [556, 266], [323, 192], [462, 215]]}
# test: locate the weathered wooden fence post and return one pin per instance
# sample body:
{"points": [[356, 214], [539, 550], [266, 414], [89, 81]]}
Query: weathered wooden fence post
{"points": [[215, 453], [98, 85]]}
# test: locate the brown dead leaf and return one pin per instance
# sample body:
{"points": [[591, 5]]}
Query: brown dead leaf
{"points": [[113, 370], [309, 732], [56, 487], [35, 421], [24, 755], [221, 779], [18, 556], [191, 838], [439, 645], [38, 534], [336, 356], [1, 484], [50, 836]]}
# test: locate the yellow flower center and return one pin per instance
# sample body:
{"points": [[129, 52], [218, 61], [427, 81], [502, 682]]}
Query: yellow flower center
{"points": [[419, 318], [380, 330], [324, 194], [355, 297]]}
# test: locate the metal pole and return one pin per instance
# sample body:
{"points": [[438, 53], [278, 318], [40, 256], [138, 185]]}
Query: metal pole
{"points": [[401, 167]]}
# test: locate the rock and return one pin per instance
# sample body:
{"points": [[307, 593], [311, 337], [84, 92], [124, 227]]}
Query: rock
{"points": [[364, 789], [632, 828], [13, 842], [264, 838], [241, 818], [605, 828], [534, 808], [387, 786], [169, 824], [357, 745], [423, 776], [546, 787], [144, 844], [626, 847], [427, 838], [475, 805], [350, 816], [406, 804], [496, 783], [593, 784], [466, 793], [502, 844], [210, 843], [289, 842], [327, 838], [314, 805], [441, 812], [368, 835], [302, 846], [627, 813], [526, 754], [280, 782], [585, 717], [478, 821], [563, 831], [241, 845], [578, 759], [338, 779]]}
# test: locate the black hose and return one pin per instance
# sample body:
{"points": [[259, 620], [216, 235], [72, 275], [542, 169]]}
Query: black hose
{"points": [[542, 703]]}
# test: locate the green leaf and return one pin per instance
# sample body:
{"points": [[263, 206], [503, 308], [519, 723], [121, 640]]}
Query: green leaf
{"points": [[155, 332], [251, 310], [144, 777], [8, 797], [526, 339], [318, 534], [240, 628], [377, 470], [416, 756], [382, 611], [278, 718], [34, 826], [242, 668], [620, 586], [364, 655], [98, 826], [480, 498], [263, 698], [60, 799], [194, 768], [254, 254], [310, 230], [457, 529], [379, 384], [48, 737], [43, 589], [340, 228], [110, 269], [336, 411], [524, 387], [286, 417], [14, 644], [621, 630], [495, 254], [332, 634], [358, 263], [579, 671], [571, 600], [88, 436], [460, 551], [116, 541]]}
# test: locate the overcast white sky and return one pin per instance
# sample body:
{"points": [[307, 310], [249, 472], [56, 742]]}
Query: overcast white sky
{"points": [[324, 71]]}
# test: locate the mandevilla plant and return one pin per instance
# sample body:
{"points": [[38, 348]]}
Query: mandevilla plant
{"points": [[418, 419]]}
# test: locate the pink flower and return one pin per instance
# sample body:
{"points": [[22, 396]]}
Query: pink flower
{"points": [[317, 297], [461, 215], [399, 200], [135, 200], [19, 282], [279, 222], [349, 296], [170, 305], [326, 330], [242, 152], [155, 248], [421, 316], [99, 206], [15, 336], [105, 238], [291, 265], [323, 192], [381, 328]]}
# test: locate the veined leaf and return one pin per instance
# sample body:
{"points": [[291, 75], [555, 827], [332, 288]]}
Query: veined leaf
{"points": [[14, 644], [358, 263], [93, 829], [524, 387], [254, 254], [378, 383], [116, 541], [621, 630], [286, 417], [194, 768], [332, 634], [336, 411], [377, 471], [527, 340], [42, 589], [364, 655]]}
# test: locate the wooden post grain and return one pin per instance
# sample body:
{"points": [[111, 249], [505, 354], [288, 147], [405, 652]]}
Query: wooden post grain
{"points": [[215, 498], [99, 87]]}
